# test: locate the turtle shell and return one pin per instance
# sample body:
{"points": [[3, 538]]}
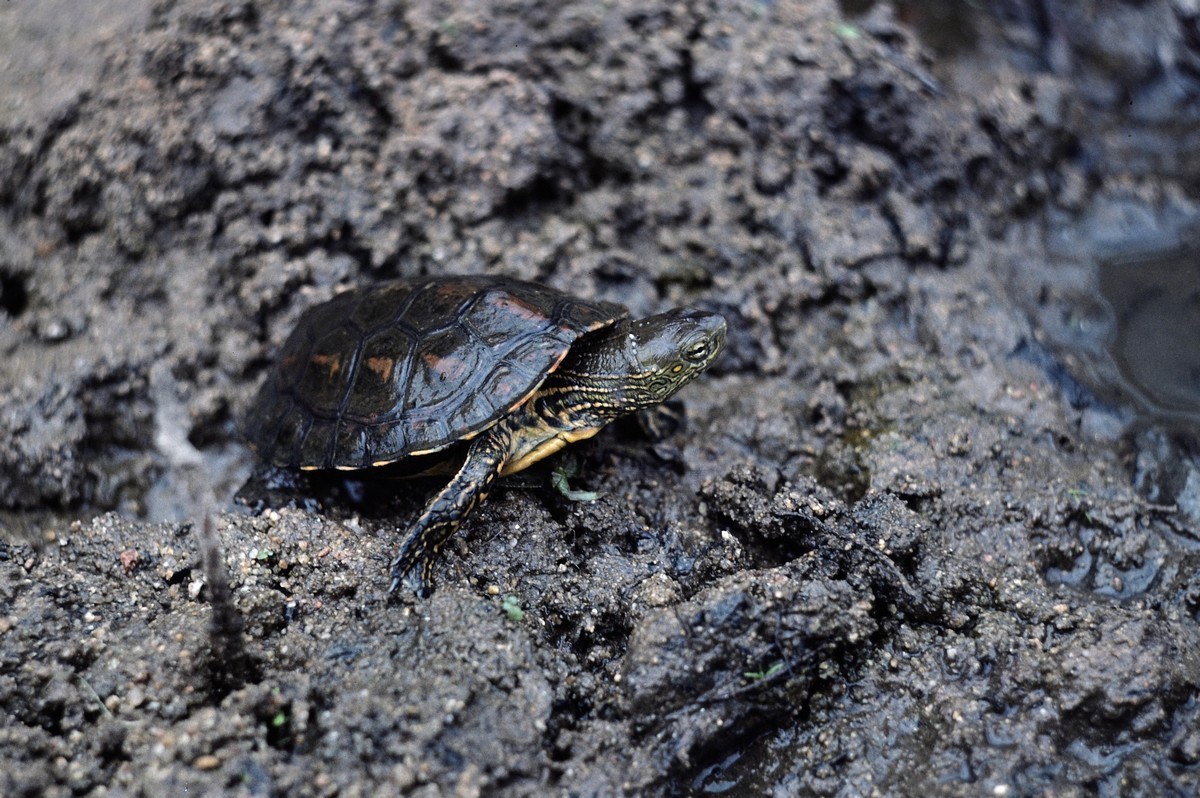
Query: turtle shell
{"points": [[409, 367]]}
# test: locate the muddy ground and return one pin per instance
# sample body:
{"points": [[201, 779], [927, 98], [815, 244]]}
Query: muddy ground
{"points": [[893, 544]]}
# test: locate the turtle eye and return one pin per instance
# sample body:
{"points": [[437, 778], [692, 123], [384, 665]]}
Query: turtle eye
{"points": [[697, 353]]}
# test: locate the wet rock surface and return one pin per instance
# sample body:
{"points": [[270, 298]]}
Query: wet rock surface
{"points": [[888, 546]]}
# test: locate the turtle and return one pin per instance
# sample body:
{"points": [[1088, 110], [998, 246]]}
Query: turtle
{"points": [[478, 376]]}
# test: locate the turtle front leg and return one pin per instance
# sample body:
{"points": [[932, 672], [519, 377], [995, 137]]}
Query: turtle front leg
{"points": [[446, 511]]}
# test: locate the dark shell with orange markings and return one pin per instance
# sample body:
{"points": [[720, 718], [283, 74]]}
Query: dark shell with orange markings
{"points": [[409, 367]]}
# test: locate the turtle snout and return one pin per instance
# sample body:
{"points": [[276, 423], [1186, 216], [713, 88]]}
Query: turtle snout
{"points": [[717, 327]]}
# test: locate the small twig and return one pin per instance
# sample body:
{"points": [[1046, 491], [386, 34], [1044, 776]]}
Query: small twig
{"points": [[86, 686]]}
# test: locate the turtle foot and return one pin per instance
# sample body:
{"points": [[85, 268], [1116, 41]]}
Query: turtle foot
{"points": [[417, 575]]}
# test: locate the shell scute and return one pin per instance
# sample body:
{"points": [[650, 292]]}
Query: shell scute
{"points": [[383, 374], [446, 365], [351, 445], [327, 370], [318, 441], [532, 355]]}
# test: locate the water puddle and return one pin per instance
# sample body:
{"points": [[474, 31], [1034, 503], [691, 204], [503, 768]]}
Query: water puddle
{"points": [[1118, 306], [1153, 294]]}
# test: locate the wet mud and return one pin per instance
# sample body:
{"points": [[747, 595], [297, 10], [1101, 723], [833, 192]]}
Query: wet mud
{"points": [[900, 539]]}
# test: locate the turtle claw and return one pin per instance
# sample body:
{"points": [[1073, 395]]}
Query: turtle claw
{"points": [[397, 580], [423, 587], [406, 568]]}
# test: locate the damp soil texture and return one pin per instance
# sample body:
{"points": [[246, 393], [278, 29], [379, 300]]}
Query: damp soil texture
{"points": [[893, 543]]}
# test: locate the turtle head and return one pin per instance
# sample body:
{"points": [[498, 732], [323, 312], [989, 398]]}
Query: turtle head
{"points": [[667, 351], [632, 365]]}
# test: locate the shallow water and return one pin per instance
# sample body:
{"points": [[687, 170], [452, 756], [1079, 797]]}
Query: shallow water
{"points": [[1154, 341]]}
